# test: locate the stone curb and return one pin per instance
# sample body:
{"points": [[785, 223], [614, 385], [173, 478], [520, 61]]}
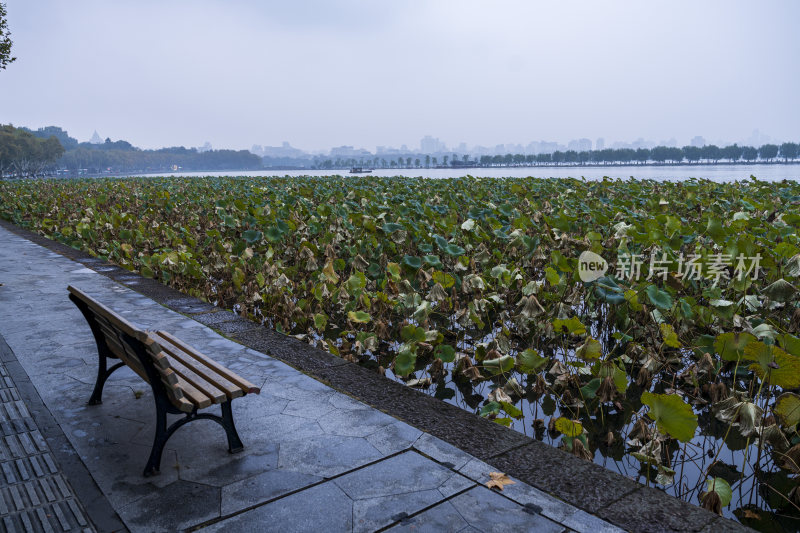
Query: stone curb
{"points": [[586, 485]]}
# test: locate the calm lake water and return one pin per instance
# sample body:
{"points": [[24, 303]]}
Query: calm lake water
{"points": [[766, 172]]}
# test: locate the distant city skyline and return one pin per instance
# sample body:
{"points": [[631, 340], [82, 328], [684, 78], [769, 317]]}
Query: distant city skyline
{"points": [[433, 145]]}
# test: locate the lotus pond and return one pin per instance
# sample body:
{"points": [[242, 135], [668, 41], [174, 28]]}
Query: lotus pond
{"points": [[675, 361]]}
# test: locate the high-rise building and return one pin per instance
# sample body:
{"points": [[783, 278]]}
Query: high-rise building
{"points": [[431, 145], [580, 145], [600, 144]]}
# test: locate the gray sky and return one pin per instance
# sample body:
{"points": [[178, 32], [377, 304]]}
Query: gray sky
{"points": [[366, 73]]}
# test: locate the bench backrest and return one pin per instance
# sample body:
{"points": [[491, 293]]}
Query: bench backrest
{"points": [[126, 342]]}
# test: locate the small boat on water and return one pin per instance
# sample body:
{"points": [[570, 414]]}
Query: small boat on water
{"points": [[360, 170]]}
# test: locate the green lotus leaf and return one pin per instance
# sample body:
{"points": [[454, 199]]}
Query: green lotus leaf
{"points": [[659, 297], [454, 250], [571, 325], [590, 350], [406, 360], [589, 391], [391, 227], [252, 236], [715, 230], [773, 364], [441, 242], [432, 260], [393, 269], [273, 234], [787, 409], [721, 488], [673, 416], [412, 262], [359, 316], [374, 270], [570, 428], [412, 333], [669, 336], [356, 282], [444, 279], [780, 291], [790, 343], [730, 346], [529, 361], [620, 380], [551, 276], [511, 410], [446, 353], [608, 291], [491, 408], [499, 365]]}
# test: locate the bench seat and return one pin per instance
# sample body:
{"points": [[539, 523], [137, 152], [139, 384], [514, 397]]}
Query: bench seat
{"points": [[183, 379]]}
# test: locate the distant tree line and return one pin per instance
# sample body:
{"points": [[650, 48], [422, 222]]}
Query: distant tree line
{"points": [[24, 154], [709, 154], [50, 150]]}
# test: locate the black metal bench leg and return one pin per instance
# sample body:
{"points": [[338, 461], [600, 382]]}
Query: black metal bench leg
{"points": [[154, 463], [102, 377], [102, 374], [234, 443]]}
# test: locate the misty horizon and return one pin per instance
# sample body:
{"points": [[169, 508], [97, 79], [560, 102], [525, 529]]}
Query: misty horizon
{"points": [[325, 74], [756, 139]]}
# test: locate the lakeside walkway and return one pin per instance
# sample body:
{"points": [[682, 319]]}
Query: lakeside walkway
{"points": [[314, 460]]}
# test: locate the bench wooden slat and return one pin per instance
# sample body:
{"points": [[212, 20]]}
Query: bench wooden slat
{"points": [[191, 393], [115, 319], [209, 378], [120, 349], [167, 375], [209, 392], [112, 340], [177, 387], [178, 398], [157, 353], [245, 385]]}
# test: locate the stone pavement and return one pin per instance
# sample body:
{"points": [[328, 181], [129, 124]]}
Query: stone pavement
{"points": [[34, 496], [315, 459]]}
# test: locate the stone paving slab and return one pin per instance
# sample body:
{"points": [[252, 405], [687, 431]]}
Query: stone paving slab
{"points": [[34, 495], [314, 458]]}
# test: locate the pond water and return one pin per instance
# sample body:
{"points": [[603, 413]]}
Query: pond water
{"points": [[754, 497], [765, 172]]}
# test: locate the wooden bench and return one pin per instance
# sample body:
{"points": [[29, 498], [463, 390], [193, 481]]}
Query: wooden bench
{"points": [[183, 380]]}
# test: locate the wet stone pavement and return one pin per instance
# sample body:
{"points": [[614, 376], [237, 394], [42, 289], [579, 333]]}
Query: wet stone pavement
{"points": [[34, 495], [315, 459]]}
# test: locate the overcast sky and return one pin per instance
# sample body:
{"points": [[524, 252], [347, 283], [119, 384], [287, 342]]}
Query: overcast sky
{"points": [[331, 72]]}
